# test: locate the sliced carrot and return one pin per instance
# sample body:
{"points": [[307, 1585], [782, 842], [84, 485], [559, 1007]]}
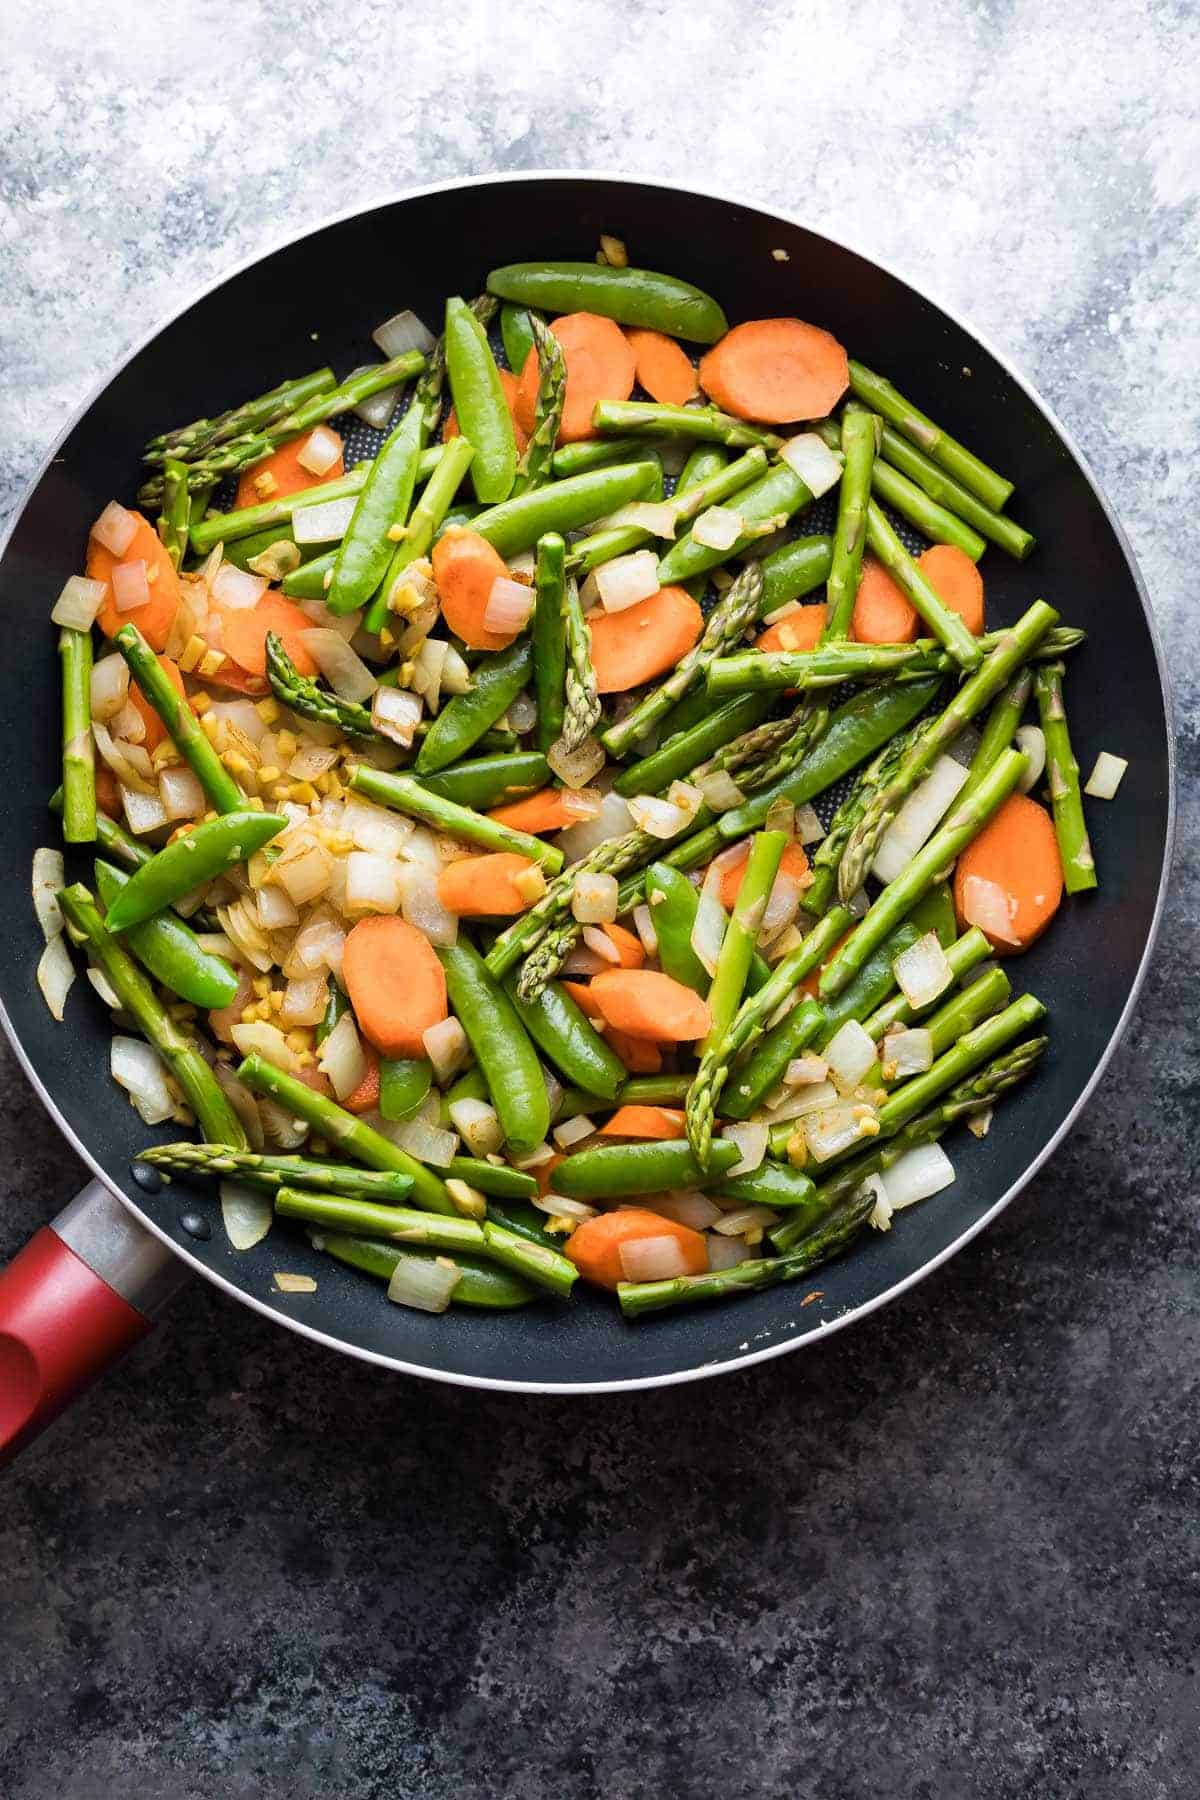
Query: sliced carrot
{"points": [[882, 614], [108, 791], [238, 681], [509, 383], [663, 368], [793, 865], [801, 630], [155, 618], [289, 477], [956, 581], [365, 1097], [631, 647], [465, 568], [776, 370], [627, 945], [544, 1173], [244, 634], [600, 366], [644, 1122], [650, 1005], [485, 887], [1017, 855], [395, 984], [549, 810], [595, 1246], [639, 1055], [581, 994], [156, 731]]}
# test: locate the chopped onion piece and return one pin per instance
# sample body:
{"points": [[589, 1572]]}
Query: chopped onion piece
{"points": [[783, 903], [745, 1218], [374, 827], [990, 907], [110, 686], [980, 1123], [522, 714], [304, 999], [277, 560], [658, 517], [456, 675], [237, 588], [509, 604], [246, 1214], [320, 450], [917, 818], [581, 961], [658, 817], [1106, 776], [128, 726], [653, 1259], [344, 670], [559, 1207], [311, 761], [342, 1057], [181, 794], [708, 927], [805, 1071], [139, 1070], [325, 523], [816, 1096], [276, 911], [303, 869], [626, 580], [478, 1124], [907, 1053], [602, 946], [143, 812], [447, 1048], [421, 906], [49, 876], [262, 1039], [643, 924], [807, 826], [428, 1143], [720, 790], [752, 1141], [523, 564], [718, 528], [78, 604], [922, 971], [55, 975], [829, 1133], [244, 715], [608, 818], [916, 1175], [880, 1215], [104, 988], [1031, 740], [426, 1283], [531, 1159], [373, 884], [572, 1131], [686, 1206], [594, 899], [727, 1252], [115, 528], [818, 467], [849, 1053], [575, 768], [403, 331], [781, 816], [129, 585], [317, 946], [687, 798]]}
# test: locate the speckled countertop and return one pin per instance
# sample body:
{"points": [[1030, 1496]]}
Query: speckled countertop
{"points": [[953, 1552]]}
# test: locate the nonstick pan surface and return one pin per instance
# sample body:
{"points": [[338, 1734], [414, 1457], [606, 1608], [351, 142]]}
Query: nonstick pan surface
{"points": [[315, 300]]}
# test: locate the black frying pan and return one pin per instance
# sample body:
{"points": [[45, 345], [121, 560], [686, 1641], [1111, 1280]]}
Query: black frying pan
{"points": [[316, 300]]}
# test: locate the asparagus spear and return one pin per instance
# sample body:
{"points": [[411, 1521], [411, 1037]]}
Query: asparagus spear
{"points": [[537, 464], [422, 527], [858, 437], [78, 750], [1074, 845], [216, 1117], [828, 856], [879, 394], [1006, 714], [945, 625], [186, 442], [757, 671], [582, 701], [110, 836], [270, 1173], [549, 639], [698, 748], [274, 515], [176, 510], [409, 796], [737, 945], [726, 623], [933, 520], [963, 955], [903, 458], [691, 497], [809, 725], [642, 418], [181, 722], [305, 697], [936, 736]]}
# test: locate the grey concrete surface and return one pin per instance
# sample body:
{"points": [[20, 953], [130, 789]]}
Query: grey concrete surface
{"points": [[951, 1553]]}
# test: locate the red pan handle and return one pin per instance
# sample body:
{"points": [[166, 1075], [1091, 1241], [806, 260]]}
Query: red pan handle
{"points": [[71, 1303]]}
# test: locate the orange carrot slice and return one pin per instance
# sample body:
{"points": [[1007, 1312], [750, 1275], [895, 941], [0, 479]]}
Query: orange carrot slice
{"points": [[639, 1055], [548, 810], [882, 614], [108, 791], [155, 618], [956, 581], [156, 731], [663, 368], [1008, 881], [801, 630], [465, 567], [650, 1005], [644, 1122], [776, 370], [395, 984], [793, 864], [484, 887], [509, 383], [600, 366], [595, 1246], [365, 1097], [581, 994], [631, 647], [284, 466], [244, 634], [627, 945]]}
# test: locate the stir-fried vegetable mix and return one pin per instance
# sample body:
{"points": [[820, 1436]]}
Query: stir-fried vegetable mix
{"points": [[575, 839]]}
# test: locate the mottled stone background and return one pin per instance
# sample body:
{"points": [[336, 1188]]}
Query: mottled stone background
{"points": [[951, 1553]]}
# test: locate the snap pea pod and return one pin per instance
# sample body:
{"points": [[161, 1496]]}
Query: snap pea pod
{"points": [[429, 514], [516, 334], [638, 1090], [963, 955], [795, 569], [478, 397], [408, 796], [549, 639], [563, 506], [225, 528], [630, 296], [335, 1006], [611, 1170], [243, 551], [771, 1184], [568, 1039], [180, 722], [492, 1178], [524, 1220], [496, 680], [614, 540], [471, 1086], [111, 837], [778, 494], [189, 861], [480, 1284], [311, 580], [168, 948], [490, 780], [79, 812], [721, 484], [337, 1126], [673, 903], [737, 949], [386, 496], [685, 750], [501, 1044], [647, 418], [595, 453], [403, 1085], [857, 730]]}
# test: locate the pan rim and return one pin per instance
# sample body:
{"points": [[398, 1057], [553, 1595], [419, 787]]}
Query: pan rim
{"points": [[823, 1329]]}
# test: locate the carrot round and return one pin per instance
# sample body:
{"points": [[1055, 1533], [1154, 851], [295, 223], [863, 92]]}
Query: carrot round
{"points": [[644, 1122], [650, 1005], [548, 810], [776, 370], [395, 984], [882, 613], [484, 887], [509, 383], [155, 618], [595, 1246], [600, 366], [793, 864], [365, 1097], [801, 630], [290, 477], [156, 731], [465, 567], [244, 634], [634, 646], [663, 368], [639, 1055], [581, 994], [108, 791], [1017, 854], [956, 581], [627, 945]]}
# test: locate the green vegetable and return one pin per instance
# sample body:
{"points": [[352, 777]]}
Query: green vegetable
{"points": [[187, 862], [774, 496], [501, 1045], [176, 510], [169, 950], [1062, 770], [905, 458], [537, 463], [180, 722], [111, 837], [797, 568], [647, 419], [496, 680], [273, 1172], [945, 625], [722, 483], [248, 521], [493, 1178], [563, 506], [686, 750], [401, 1224], [480, 1284], [407, 795], [596, 453], [1008, 709], [963, 955], [581, 700], [403, 1085], [850, 534], [902, 495], [185, 442], [491, 780], [78, 752], [568, 1039], [877, 393], [548, 639], [335, 1006], [826, 862], [611, 1170], [756, 671], [311, 701], [386, 496], [524, 1220], [630, 296], [516, 334], [483, 415], [426, 517]]}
